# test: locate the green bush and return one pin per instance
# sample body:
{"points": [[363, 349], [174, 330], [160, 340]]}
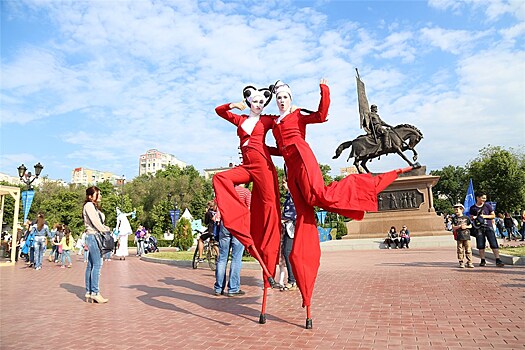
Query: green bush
{"points": [[341, 230], [183, 235]]}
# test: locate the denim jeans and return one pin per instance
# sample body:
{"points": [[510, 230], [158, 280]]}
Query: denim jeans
{"points": [[287, 249], [226, 240], [93, 265], [140, 247], [66, 255], [40, 245]]}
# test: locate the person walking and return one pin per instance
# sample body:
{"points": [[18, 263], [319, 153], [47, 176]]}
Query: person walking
{"points": [[68, 244], [40, 232], [481, 215], [94, 223]]}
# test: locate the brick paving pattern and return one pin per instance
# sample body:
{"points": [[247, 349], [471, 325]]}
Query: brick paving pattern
{"points": [[380, 299]]}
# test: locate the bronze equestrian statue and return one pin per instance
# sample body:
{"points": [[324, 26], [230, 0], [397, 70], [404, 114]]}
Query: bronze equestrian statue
{"points": [[380, 137]]}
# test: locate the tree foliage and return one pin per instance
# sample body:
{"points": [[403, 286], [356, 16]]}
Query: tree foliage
{"points": [[183, 235], [501, 174], [452, 184], [498, 172]]}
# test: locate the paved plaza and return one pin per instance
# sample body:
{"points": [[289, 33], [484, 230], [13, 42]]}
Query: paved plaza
{"points": [[363, 299]]}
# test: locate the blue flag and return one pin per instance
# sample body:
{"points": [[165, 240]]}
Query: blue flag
{"points": [[470, 200], [321, 216], [27, 200]]}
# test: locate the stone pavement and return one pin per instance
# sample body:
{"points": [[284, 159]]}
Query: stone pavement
{"points": [[364, 299]]}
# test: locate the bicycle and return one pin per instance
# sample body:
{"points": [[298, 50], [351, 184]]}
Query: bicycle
{"points": [[209, 251]]}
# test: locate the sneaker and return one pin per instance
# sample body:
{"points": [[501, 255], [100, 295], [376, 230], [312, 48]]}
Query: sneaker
{"points": [[62, 267], [482, 262], [200, 260], [69, 266], [218, 294], [499, 263], [236, 294], [470, 265], [461, 265], [291, 286], [38, 268]]}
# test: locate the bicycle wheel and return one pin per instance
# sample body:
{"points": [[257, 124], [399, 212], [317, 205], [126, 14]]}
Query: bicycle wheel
{"points": [[195, 261], [211, 255]]}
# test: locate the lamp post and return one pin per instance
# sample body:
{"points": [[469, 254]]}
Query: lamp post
{"points": [[122, 181], [28, 178]]}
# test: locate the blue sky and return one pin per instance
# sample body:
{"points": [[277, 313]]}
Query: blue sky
{"points": [[97, 83]]}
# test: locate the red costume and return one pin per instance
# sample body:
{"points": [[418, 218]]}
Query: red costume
{"points": [[261, 224], [350, 197]]}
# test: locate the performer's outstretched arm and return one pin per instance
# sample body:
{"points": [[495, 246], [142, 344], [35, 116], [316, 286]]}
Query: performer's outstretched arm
{"points": [[322, 113]]}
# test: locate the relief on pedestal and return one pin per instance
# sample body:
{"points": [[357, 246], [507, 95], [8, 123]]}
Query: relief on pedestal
{"points": [[399, 200]]}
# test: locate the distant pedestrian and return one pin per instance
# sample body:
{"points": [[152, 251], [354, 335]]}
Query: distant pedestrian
{"points": [[68, 244], [40, 231], [522, 228], [508, 222], [288, 218], [461, 227]]}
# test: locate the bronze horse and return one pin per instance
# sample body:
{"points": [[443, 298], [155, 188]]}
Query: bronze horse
{"points": [[365, 147]]}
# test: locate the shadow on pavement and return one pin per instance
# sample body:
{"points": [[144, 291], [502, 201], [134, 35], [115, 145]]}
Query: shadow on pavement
{"points": [[79, 291]]}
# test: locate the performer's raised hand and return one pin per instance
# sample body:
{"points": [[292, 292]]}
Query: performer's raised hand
{"points": [[239, 105], [324, 81]]}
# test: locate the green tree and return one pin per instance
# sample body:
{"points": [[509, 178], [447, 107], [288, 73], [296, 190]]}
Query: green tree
{"points": [[183, 235], [501, 174], [452, 185], [342, 230], [325, 170], [60, 205]]}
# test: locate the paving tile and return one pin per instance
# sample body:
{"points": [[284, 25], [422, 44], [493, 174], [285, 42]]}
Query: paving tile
{"points": [[377, 299]]}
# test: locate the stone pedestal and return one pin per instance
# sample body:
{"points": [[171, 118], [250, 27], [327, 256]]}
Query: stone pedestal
{"points": [[407, 201]]}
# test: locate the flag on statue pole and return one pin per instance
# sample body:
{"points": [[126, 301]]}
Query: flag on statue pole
{"points": [[470, 200]]}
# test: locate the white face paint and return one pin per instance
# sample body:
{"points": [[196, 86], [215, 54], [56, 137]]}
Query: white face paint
{"points": [[257, 105], [283, 102]]}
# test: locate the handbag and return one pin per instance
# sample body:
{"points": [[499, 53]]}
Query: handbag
{"points": [[105, 242], [60, 248]]}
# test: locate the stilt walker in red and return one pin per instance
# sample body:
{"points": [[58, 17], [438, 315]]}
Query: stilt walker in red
{"points": [[258, 229], [350, 197]]}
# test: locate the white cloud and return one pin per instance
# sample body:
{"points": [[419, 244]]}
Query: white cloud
{"points": [[453, 41]]}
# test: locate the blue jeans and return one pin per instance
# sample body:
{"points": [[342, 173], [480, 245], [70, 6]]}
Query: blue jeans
{"points": [[287, 249], [226, 240], [40, 246], [93, 265], [66, 256]]}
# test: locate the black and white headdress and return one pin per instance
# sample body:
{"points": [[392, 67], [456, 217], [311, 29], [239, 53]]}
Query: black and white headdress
{"points": [[251, 92], [279, 87]]}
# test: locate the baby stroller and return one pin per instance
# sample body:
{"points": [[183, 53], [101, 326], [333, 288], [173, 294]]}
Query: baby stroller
{"points": [[150, 245]]}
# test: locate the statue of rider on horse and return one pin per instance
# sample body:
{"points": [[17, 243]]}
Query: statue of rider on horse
{"points": [[380, 137]]}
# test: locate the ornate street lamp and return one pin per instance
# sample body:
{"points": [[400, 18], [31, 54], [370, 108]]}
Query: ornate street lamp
{"points": [[27, 177]]}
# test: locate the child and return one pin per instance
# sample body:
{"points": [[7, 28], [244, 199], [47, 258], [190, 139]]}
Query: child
{"points": [[461, 226], [67, 243]]}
